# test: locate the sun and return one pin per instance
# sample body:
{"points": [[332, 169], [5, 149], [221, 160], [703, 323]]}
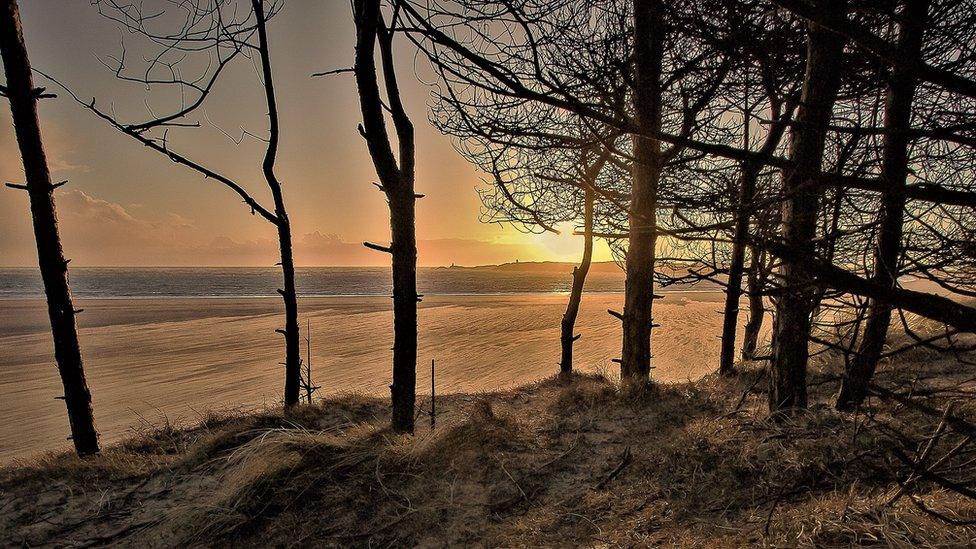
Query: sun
{"points": [[566, 246]]}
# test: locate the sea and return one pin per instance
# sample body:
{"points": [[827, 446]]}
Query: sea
{"points": [[183, 282]]}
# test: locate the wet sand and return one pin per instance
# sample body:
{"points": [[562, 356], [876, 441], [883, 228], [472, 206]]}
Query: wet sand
{"points": [[155, 359]]}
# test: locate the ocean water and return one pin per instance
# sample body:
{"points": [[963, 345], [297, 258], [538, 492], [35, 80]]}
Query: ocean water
{"points": [[143, 282]]}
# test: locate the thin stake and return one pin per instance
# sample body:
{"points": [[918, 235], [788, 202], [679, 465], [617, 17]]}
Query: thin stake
{"points": [[306, 379], [308, 359], [433, 411]]}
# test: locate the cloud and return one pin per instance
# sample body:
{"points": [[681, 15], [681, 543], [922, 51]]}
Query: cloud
{"points": [[330, 249], [58, 148], [99, 232]]}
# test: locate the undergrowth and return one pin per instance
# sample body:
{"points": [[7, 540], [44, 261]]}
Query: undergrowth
{"points": [[560, 462]]}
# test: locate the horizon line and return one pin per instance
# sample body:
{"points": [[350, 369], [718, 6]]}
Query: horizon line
{"points": [[253, 266]]}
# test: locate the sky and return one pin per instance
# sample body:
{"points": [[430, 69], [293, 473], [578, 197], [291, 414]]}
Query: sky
{"points": [[127, 205]]}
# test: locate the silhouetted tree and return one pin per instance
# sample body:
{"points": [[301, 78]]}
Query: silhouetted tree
{"points": [[567, 333], [791, 329], [396, 175], [23, 98], [764, 43], [894, 170], [547, 165], [220, 32], [650, 34]]}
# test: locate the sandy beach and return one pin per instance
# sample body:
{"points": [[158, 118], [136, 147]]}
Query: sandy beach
{"points": [[149, 360]]}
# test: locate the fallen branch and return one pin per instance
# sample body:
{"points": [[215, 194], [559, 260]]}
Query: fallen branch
{"points": [[625, 459]]}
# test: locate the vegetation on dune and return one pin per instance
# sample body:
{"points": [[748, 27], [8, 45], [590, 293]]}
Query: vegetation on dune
{"points": [[562, 461]]}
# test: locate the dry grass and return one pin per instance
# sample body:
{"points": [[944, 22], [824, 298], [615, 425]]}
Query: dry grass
{"points": [[556, 463]]}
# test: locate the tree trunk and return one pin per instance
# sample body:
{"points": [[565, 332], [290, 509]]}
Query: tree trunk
{"points": [[757, 309], [567, 337], [733, 290], [649, 30], [404, 247], [397, 182], [293, 352], [894, 170], [791, 327], [744, 214], [293, 361], [54, 267]]}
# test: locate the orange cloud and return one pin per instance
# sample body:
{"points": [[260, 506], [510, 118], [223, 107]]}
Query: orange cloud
{"points": [[99, 232]]}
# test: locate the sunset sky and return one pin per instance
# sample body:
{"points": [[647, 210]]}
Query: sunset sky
{"points": [[127, 205]]}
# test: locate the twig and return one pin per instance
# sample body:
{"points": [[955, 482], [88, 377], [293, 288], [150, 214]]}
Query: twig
{"points": [[515, 482], [625, 459], [375, 531], [746, 393]]}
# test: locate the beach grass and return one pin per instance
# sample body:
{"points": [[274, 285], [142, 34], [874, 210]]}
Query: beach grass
{"points": [[553, 463]]}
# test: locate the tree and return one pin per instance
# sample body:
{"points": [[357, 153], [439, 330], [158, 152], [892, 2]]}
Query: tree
{"points": [[649, 36], [218, 32], [547, 165], [791, 329], [540, 188], [23, 98], [396, 175], [764, 43], [541, 185], [567, 326], [894, 169], [529, 61]]}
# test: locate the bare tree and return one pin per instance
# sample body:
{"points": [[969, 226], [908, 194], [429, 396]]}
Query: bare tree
{"points": [[791, 330], [760, 269], [23, 98], [894, 169], [542, 185], [567, 334], [218, 31], [547, 165], [776, 79], [396, 175], [649, 36]]}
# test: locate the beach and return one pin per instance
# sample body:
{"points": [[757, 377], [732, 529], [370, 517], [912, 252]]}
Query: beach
{"points": [[151, 360]]}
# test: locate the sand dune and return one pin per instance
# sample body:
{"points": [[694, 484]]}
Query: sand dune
{"points": [[175, 358]]}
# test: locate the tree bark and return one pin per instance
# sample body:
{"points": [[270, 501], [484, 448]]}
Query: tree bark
{"points": [[894, 170], [404, 246], [397, 182], [791, 327], [293, 359], [757, 309], [53, 266], [649, 31], [746, 194], [567, 337], [733, 290]]}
